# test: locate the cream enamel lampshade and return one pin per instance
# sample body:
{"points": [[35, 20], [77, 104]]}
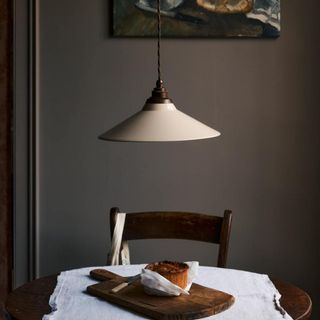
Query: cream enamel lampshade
{"points": [[159, 122]]}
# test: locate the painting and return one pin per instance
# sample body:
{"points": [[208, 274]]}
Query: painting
{"points": [[197, 18]]}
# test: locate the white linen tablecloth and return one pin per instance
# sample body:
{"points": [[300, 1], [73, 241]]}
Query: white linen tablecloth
{"points": [[254, 295]]}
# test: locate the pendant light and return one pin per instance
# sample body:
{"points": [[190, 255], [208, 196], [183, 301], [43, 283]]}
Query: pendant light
{"points": [[159, 120]]}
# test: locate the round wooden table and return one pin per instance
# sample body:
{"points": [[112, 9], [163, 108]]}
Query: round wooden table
{"points": [[30, 301]]}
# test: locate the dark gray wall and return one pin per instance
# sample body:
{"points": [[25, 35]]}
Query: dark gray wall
{"points": [[263, 95]]}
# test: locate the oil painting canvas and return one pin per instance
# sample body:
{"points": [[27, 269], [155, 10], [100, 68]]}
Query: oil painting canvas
{"points": [[197, 18]]}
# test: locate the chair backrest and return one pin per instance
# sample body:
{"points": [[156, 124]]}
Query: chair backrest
{"points": [[178, 225]]}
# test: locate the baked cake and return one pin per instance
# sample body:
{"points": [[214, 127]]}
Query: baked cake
{"points": [[176, 272]]}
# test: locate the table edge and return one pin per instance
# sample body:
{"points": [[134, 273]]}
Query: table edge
{"points": [[305, 316]]}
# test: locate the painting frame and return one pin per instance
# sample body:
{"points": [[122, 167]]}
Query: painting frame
{"points": [[136, 18]]}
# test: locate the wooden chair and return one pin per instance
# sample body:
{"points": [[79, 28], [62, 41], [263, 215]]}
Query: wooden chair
{"points": [[178, 225]]}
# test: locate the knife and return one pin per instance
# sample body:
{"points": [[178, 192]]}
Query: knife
{"points": [[128, 281]]}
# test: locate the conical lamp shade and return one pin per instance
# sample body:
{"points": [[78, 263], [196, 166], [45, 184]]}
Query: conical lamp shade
{"points": [[159, 122]]}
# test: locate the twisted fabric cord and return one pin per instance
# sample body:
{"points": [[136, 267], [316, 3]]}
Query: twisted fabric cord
{"points": [[159, 40]]}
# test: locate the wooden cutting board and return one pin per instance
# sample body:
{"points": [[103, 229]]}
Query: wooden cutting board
{"points": [[202, 301]]}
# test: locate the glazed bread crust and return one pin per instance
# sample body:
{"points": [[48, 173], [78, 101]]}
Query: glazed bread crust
{"points": [[176, 272]]}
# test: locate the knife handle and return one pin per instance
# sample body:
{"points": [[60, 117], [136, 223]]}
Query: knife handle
{"points": [[119, 287], [104, 275]]}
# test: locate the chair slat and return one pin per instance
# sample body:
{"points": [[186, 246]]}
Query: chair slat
{"points": [[178, 225]]}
